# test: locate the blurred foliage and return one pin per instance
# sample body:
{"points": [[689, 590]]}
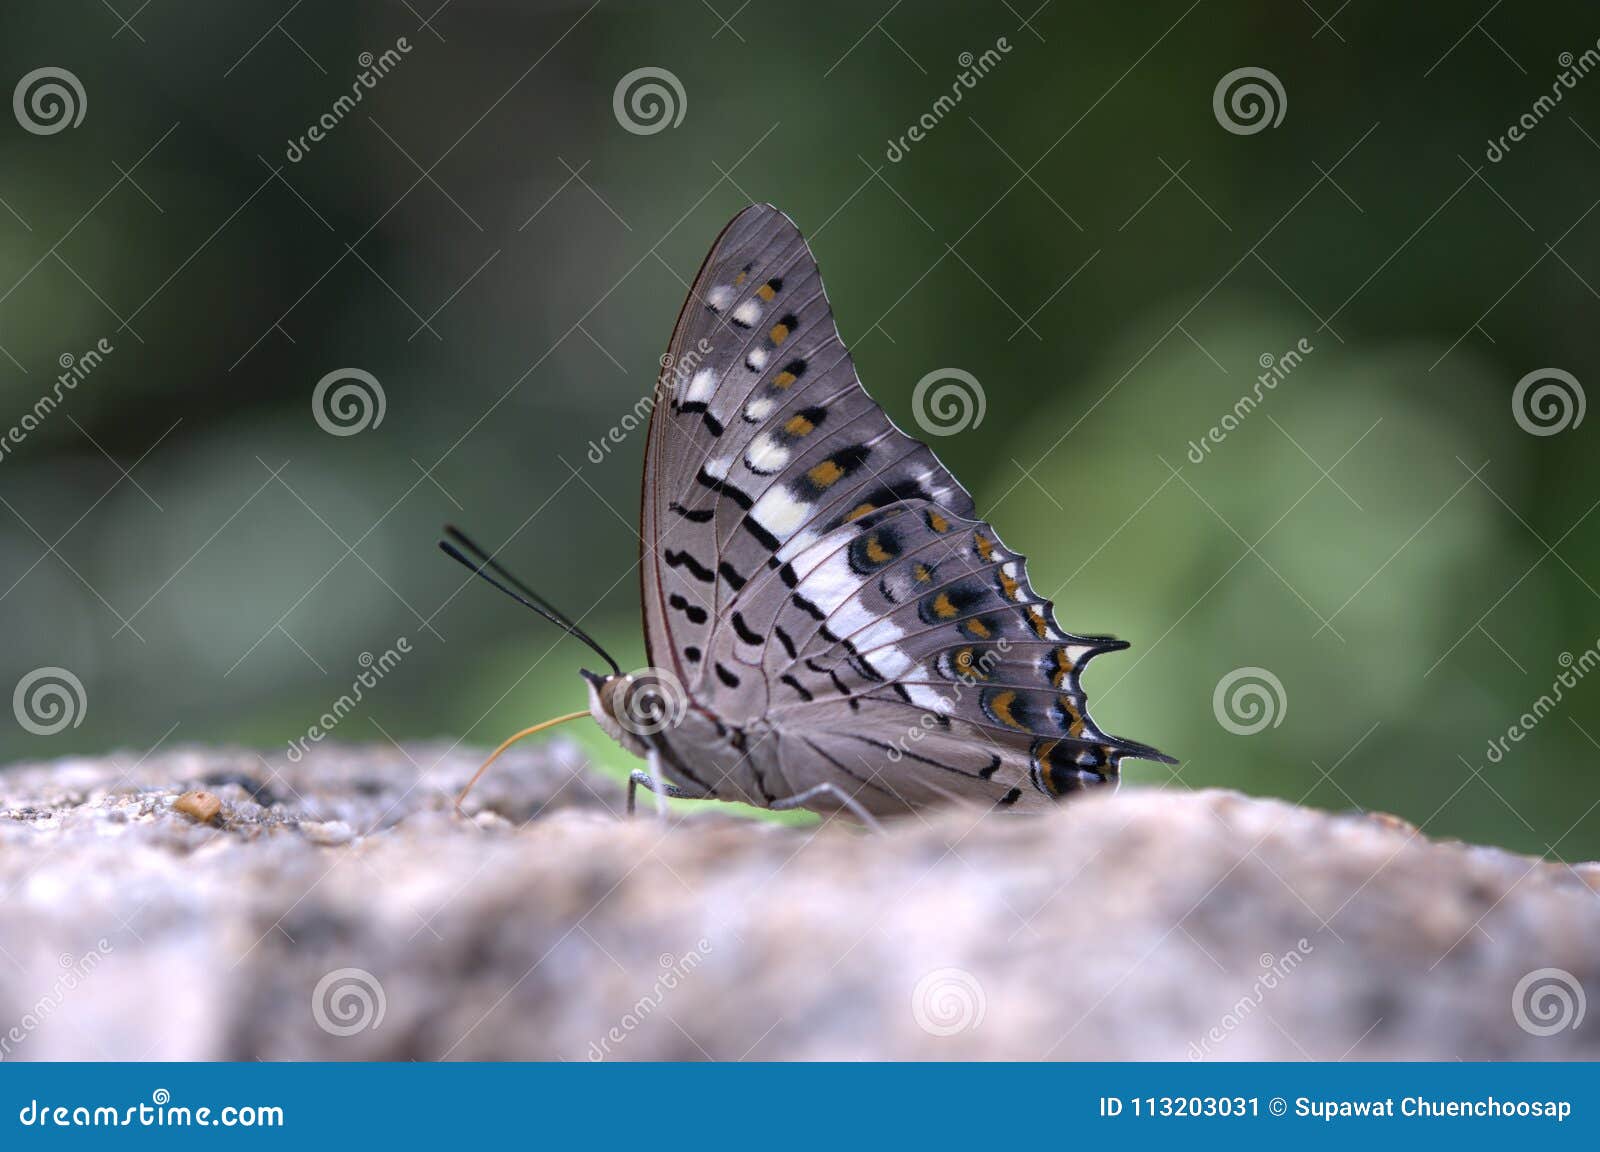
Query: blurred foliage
{"points": [[485, 186]]}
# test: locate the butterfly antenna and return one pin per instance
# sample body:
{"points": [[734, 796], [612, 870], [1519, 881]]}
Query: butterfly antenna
{"points": [[522, 595], [495, 755], [487, 560]]}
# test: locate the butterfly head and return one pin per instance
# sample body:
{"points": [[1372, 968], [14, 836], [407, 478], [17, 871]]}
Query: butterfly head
{"points": [[634, 707]]}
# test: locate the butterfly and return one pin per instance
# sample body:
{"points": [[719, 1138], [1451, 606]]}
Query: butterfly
{"points": [[829, 624]]}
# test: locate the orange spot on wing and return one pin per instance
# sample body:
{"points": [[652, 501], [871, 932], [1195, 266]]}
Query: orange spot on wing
{"points": [[943, 608], [1000, 704], [1063, 666], [826, 474], [779, 333], [799, 426]]}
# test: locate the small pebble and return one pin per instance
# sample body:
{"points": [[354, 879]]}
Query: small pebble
{"points": [[327, 832], [202, 806]]}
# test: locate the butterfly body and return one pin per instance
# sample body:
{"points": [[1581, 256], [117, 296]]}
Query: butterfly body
{"points": [[828, 621]]}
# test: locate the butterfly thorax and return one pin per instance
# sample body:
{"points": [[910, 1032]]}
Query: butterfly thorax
{"points": [[650, 715]]}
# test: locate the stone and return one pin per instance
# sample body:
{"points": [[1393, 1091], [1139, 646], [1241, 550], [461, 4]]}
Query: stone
{"points": [[343, 910], [203, 806]]}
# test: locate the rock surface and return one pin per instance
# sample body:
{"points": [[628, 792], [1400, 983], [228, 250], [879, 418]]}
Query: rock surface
{"points": [[337, 909]]}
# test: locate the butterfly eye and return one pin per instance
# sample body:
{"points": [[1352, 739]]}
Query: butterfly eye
{"points": [[652, 701]]}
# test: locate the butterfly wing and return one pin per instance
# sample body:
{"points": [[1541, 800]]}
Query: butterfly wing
{"points": [[810, 569], [761, 440], [923, 654]]}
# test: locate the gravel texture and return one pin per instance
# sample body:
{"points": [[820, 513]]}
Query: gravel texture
{"points": [[339, 909]]}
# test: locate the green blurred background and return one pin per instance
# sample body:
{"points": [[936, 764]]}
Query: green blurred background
{"points": [[1084, 185]]}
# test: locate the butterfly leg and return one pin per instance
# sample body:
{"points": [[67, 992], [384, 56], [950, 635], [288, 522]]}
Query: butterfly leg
{"points": [[833, 790], [662, 790]]}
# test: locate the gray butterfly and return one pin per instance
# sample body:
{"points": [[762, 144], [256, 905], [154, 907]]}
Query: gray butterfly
{"points": [[829, 626]]}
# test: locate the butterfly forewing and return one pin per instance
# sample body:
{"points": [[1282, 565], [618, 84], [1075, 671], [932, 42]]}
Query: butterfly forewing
{"points": [[812, 572]]}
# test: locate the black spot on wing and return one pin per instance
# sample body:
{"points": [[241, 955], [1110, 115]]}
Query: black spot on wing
{"points": [[744, 630], [723, 488], [693, 515], [695, 613], [683, 560]]}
